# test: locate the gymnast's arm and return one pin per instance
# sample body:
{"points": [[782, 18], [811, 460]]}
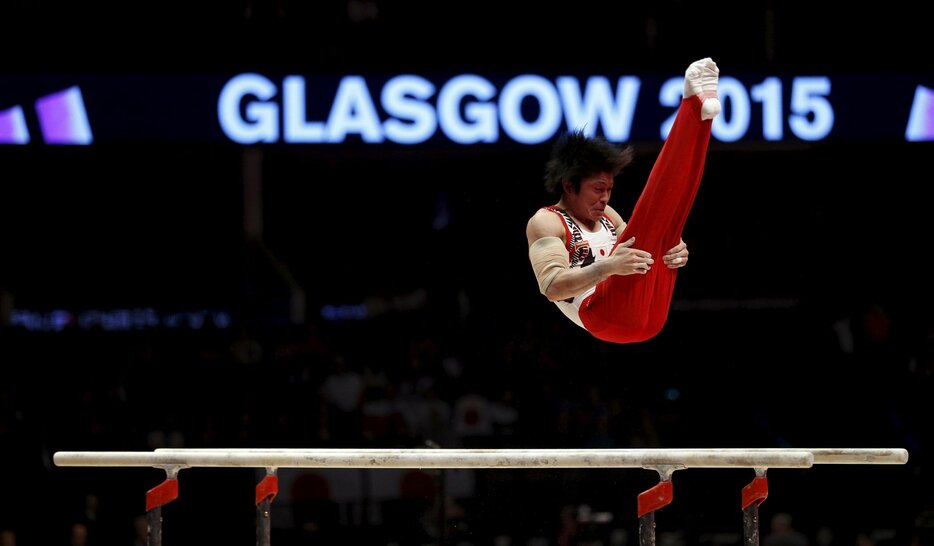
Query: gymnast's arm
{"points": [[676, 257], [549, 257]]}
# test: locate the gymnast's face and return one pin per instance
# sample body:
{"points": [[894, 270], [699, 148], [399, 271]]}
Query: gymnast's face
{"points": [[589, 203]]}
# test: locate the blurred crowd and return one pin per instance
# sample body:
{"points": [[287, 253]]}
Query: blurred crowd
{"points": [[401, 381]]}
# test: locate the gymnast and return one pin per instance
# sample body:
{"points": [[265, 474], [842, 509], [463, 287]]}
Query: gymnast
{"points": [[594, 266]]}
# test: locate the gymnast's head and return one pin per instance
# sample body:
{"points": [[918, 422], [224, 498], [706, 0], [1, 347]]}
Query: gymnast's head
{"points": [[575, 156]]}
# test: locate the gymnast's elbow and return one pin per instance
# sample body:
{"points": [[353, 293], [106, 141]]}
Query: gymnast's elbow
{"points": [[555, 291]]}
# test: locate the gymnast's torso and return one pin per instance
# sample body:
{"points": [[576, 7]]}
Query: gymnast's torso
{"points": [[584, 248]]}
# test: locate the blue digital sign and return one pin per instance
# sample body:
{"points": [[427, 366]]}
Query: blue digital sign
{"points": [[461, 109]]}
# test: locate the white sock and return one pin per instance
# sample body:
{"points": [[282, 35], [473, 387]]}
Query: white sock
{"points": [[701, 79]]}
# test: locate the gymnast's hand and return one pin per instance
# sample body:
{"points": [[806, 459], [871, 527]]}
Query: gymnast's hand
{"points": [[627, 260], [677, 256]]}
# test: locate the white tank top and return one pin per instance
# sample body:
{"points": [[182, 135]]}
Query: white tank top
{"points": [[584, 248]]}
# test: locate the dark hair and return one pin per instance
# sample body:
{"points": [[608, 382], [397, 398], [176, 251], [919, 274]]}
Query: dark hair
{"points": [[575, 156]]}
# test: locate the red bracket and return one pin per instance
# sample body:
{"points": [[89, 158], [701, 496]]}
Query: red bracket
{"points": [[756, 492], [653, 499], [268, 487], [161, 494]]}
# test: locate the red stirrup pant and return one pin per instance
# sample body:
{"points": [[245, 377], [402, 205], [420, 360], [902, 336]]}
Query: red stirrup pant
{"points": [[631, 308]]}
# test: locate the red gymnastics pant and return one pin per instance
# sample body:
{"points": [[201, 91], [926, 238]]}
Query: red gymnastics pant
{"points": [[631, 308]]}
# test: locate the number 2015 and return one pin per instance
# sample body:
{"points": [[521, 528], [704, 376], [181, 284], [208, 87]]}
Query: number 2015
{"points": [[810, 117]]}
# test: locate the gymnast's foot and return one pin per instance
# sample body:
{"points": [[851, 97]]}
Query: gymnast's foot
{"points": [[701, 79]]}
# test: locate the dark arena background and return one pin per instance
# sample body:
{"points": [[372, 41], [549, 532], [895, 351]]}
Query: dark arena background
{"points": [[298, 224]]}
